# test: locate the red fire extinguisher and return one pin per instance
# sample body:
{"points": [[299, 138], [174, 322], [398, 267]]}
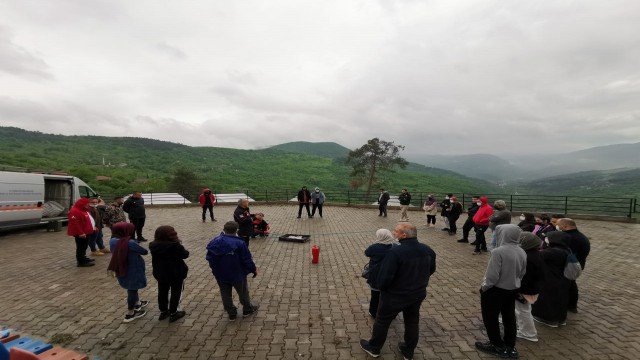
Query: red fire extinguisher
{"points": [[315, 254]]}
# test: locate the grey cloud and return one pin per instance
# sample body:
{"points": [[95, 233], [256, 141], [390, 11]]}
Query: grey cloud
{"points": [[18, 61], [171, 50]]}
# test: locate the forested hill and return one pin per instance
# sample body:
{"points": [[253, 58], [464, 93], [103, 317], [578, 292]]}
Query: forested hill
{"points": [[152, 165]]}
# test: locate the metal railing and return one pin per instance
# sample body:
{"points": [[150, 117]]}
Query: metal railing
{"points": [[593, 205]]}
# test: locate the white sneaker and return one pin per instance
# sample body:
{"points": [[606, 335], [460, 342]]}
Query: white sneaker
{"points": [[528, 338]]}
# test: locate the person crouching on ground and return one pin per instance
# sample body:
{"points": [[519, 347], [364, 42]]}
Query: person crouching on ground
{"points": [[376, 253], [260, 226], [505, 270], [169, 268], [127, 265], [230, 261]]}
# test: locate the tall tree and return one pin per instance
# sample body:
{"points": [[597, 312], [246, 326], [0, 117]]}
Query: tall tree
{"points": [[374, 157], [186, 181]]}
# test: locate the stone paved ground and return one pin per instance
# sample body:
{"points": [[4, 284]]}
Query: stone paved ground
{"points": [[307, 311]]}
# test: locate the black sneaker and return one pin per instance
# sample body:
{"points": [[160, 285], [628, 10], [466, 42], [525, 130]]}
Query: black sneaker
{"points": [[142, 239], [86, 259], [463, 241], [233, 317], [85, 264], [489, 348], [573, 310], [364, 344], [404, 351], [136, 314], [473, 243], [444, 229], [176, 315], [512, 353], [163, 315], [250, 311], [142, 304]]}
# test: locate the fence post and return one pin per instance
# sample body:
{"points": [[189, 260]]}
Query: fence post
{"points": [[348, 197], [511, 203], [151, 197], [566, 205], [266, 195], [630, 207]]}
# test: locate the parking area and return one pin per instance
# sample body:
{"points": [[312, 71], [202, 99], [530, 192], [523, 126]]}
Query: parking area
{"points": [[307, 311]]}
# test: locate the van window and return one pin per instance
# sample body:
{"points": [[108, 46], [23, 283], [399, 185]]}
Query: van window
{"points": [[86, 192]]}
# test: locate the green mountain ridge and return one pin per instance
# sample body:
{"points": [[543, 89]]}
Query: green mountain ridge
{"points": [[148, 165]]}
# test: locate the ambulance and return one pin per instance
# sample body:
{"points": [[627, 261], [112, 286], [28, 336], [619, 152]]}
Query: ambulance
{"points": [[37, 198]]}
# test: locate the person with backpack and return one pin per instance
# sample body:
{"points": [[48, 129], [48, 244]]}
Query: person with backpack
{"points": [[581, 246], [134, 207]]}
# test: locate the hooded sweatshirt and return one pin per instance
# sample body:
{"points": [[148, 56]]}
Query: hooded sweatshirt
{"points": [[483, 214], [80, 221], [508, 262]]}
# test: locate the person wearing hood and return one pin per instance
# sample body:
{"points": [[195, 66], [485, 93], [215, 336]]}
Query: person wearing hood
{"points": [[317, 199], [505, 270], [230, 261], [304, 198], [481, 221], [81, 226], [170, 270], [430, 208], [207, 202], [376, 253], [127, 265], [551, 307], [530, 286]]}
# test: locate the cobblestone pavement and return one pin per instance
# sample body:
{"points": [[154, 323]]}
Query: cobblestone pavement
{"points": [[308, 311]]}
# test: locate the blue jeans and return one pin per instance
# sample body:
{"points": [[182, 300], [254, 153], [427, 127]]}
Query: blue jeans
{"points": [[132, 299], [96, 239]]}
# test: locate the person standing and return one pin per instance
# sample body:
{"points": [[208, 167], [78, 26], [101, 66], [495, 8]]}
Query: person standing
{"points": [[96, 241], [127, 265], [113, 213], [505, 270], [376, 253], [455, 210], [134, 206], [383, 200], [405, 201], [207, 202], [530, 286], [402, 280], [304, 198], [430, 208], [444, 209], [501, 216], [481, 221], [317, 199], [469, 224], [170, 270], [242, 216], [579, 245], [81, 226], [230, 261]]}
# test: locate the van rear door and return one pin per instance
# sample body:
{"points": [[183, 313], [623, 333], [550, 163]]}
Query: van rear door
{"points": [[21, 198]]}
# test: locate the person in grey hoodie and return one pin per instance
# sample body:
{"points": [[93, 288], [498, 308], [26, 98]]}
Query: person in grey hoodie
{"points": [[500, 216], [505, 270]]}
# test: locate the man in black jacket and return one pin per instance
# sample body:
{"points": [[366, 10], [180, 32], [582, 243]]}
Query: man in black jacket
{"points": [[242, 216], [468, 225], [403, 279], [134, 207], [579, 245], [383, 199], [304, 199], [444, 211]]}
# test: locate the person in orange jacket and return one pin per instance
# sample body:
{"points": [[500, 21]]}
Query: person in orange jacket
{"points": [[207, 201], [81, 226]]}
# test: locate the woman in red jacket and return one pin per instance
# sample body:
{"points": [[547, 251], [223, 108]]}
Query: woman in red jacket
{"points": [[481, 221], [81, 225]]}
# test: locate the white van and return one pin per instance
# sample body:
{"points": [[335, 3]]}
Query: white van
{"points": [[28, 199]]}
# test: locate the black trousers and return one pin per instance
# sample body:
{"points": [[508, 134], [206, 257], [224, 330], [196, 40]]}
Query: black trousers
{"points": [[374, 303], [383, 209], [390, 306], [139, 224], [313, 209], [573, 295], [204, 211], [81, 248], [452, 224], [431, 219], [242, 288], [306, 205], [170, 304], [495, 302], [481, 242], [468, 225]]}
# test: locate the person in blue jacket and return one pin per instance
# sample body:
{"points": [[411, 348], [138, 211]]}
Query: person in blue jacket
{"points": [[230, 261], [376, 253], [317, 200], [127, 265]]}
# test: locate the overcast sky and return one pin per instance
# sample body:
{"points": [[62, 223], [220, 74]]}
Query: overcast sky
{"points": [[440, 77]]}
